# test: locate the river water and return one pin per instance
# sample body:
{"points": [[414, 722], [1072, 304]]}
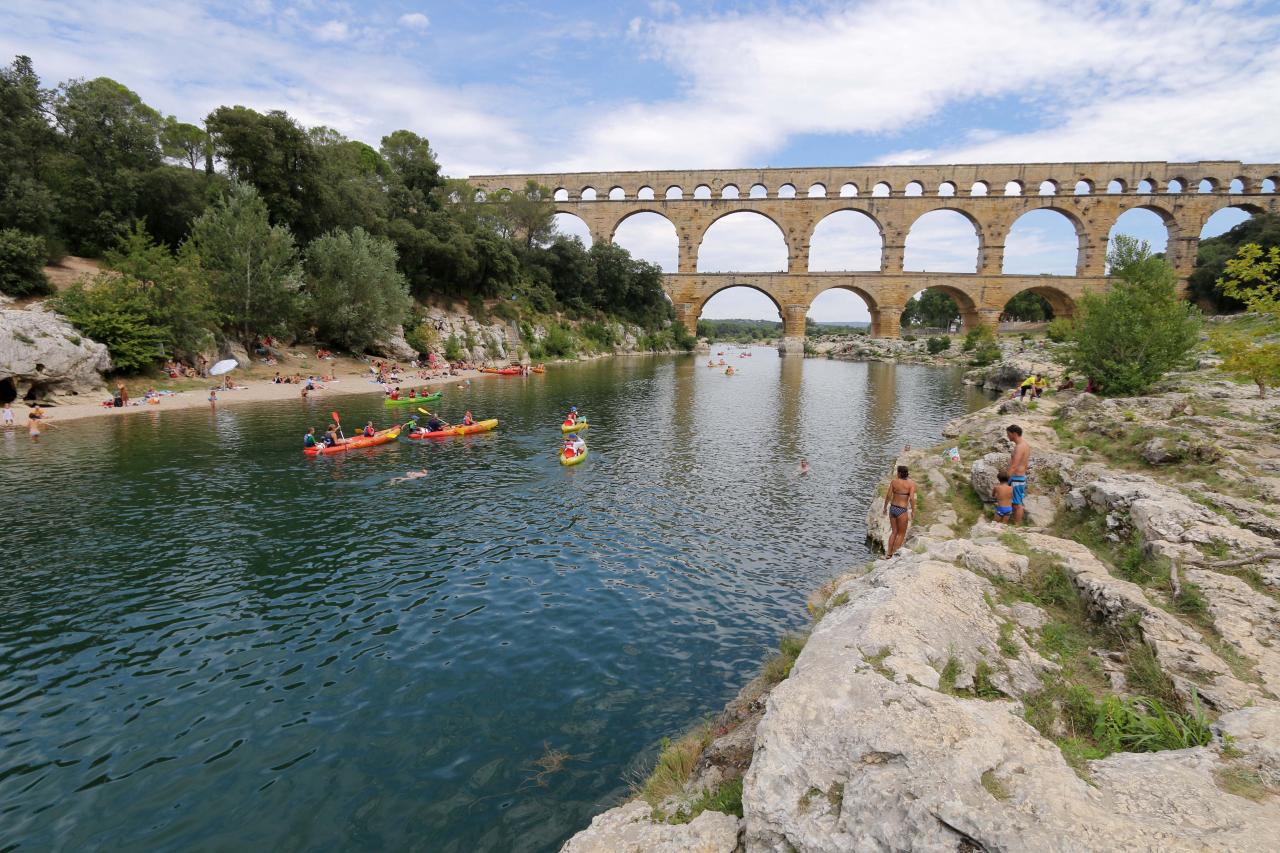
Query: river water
{"points": [[211, 642]]}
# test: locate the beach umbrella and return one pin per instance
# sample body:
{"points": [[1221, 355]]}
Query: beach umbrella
{"points": [[225, 366]]}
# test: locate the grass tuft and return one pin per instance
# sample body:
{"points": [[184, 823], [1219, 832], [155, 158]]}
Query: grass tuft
{"points": [[725, 797], [675, 764], [994, 786]]}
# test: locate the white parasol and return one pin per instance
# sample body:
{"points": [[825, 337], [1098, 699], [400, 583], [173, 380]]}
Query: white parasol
{"points": [[225, 366]]}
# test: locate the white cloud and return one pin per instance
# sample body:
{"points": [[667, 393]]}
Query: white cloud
{"points": [[633, 27], [333, 31], [415, 21], [664, 8], [751, 82], [743, 242], [651, 237]]}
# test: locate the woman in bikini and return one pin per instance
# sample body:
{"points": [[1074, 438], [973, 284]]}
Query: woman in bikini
{"points": [[900, 506]]}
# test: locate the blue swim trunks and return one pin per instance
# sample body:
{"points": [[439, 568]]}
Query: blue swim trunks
{"points": [[1019, 484], [1002, 511]]}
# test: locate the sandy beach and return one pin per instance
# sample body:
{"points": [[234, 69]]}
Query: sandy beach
{"points": [[253, 385]]}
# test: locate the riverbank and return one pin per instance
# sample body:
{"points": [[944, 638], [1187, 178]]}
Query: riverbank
{"points": [[1105, 678]]}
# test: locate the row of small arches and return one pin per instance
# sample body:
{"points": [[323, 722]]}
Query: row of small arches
{"points": [[915, 188]]}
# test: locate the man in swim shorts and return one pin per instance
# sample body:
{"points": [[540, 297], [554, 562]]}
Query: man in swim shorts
{"points": [[1018, 469]]}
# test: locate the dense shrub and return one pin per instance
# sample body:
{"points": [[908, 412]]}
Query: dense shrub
{"points": [[1060, 329], [559, 342], [115, 310], [942, 343], [22, 258], [355, 296], [981, 341]]}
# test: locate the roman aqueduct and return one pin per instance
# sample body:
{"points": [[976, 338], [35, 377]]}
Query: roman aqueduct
{"points": [[992, 197]]}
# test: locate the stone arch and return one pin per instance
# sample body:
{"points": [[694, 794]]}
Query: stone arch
{"points": [[617, 194], [573, 225], [946, 189], [1084, 187], [1048, 188], [869, 306], [882, 190], [1227, 217], [966, 304], [730, 191], [561, 194], [941, 227], [979, 188], [1013, 188], [913, 189], [1175, 186], [701, 304], [674, 192], [1116, 186], [1066, 261], [702, 191], [817, 190], [645, 193], [787, 190], [848, 190], [587, 194], [752, 240], [758, 191], [846, 239], [1145, 187], [1237, 186], [1138, 227], [1268, 185], [1207, 185], [649, 235], [1061, 304]]}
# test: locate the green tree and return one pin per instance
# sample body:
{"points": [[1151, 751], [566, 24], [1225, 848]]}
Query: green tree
{"points": [[185, 143], [28, 144], [526, 217], [251, 265], [932, 308], [356, 296], [1028, 307], [1253, 278], [178, 300], [115, 310], [274, 154], [22, 264], [1262, 229], [1257, 362], [1129, 337]]}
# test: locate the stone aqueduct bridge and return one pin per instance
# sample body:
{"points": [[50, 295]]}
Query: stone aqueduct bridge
{"points": [[1091, 195]]}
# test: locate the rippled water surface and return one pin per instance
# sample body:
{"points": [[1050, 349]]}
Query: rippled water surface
{"points": [[208, 641]]}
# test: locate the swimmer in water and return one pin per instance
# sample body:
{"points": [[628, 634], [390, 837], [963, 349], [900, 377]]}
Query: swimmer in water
{"points": [[804, 467], [409, 475]]}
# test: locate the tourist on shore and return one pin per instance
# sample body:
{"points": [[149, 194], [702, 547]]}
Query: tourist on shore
{"points": [[1003, 496], [1028, 386], [900, 506], [1018, 469], [213, 396], [1042, 385], [7, 416], [122, 393]]}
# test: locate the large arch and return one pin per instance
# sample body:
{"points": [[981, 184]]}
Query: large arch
{"points": [[943, 240], [743, 241], [650, 236], [1046, 241], [842, 303], [1152, 224], [966, 308], [572, 225], [738, 301], [1224, 219], [847, 239], [1058, 303]]}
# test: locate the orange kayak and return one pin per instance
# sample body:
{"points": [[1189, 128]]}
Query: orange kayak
{"points": [[506, 371], [448, 432], [380, 437]]}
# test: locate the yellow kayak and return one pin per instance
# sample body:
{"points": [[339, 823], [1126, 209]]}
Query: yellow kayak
{"points": [[573, 460], [578, 427]]}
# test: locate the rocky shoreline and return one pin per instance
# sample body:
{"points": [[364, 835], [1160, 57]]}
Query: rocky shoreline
{"points": [[1105, 678]]}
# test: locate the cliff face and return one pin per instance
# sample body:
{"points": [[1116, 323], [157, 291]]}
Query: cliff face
{"points": [[41, 353], [1105, 678]]}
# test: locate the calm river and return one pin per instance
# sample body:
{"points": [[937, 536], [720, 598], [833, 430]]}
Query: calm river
{"points": [[210, 642]]}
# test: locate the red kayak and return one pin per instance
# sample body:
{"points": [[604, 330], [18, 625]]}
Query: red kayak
{"points": [[380, 437], [447, 432], [506, 371]]}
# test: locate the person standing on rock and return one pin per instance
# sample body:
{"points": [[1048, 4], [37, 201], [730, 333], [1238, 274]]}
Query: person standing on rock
{"points": [[900, 506], [1018, 469]]}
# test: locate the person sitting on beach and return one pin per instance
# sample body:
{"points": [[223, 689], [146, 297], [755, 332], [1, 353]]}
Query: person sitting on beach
{"points": [[309, 440], [277, 380], [1003, 495], [368, 429]]}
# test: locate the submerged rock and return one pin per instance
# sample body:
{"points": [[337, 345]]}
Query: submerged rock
{"points": [[42, 355]]}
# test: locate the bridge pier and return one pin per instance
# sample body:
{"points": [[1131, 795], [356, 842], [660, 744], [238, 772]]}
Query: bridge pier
{"points": [[687, 314], [886, 322], [792, 342]]}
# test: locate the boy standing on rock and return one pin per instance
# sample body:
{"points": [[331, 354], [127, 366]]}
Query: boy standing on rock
{"points": [[1018, 469]]}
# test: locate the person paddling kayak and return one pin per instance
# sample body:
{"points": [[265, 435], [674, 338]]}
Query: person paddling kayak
{"points": [[309, 440], [572, 417]]}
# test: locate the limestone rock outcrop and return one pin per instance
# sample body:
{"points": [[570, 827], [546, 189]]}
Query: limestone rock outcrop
{"points": [[43, 355], [629, 828]]}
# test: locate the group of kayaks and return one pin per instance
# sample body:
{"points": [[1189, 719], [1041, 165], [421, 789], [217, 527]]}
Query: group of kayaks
{"points": [[573, 452], [511, 371]]}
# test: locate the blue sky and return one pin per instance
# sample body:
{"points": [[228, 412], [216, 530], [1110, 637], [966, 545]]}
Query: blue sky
{"points": [[520, 86]]}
